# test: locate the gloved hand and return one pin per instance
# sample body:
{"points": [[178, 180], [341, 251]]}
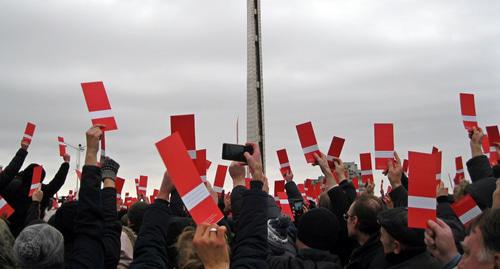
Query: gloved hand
{"points": [[109, 169]]}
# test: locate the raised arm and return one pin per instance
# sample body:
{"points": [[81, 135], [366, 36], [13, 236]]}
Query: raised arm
{"points": [[88, 249], [11, 170]]}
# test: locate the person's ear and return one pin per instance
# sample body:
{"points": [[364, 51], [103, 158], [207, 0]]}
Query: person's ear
{"points": [[397, 247]]}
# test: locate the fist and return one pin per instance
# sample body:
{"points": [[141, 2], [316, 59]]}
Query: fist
{"points": [[66, 158], [94, 134], [37, 196]]}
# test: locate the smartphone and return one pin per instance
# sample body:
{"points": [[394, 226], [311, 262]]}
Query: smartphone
{"points": [[233, 152]]}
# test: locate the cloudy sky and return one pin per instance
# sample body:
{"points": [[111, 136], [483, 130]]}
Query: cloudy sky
{"points": [[343, 65]]}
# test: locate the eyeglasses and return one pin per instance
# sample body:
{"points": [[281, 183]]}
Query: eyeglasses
{"points": [[347, 216]]}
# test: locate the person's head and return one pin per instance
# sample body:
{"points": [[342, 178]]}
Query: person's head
{"points": [[6, 243], [482, 246], [27, 173], [39, 246], [237, 171], [135, 215], [187, 257], [324, 200], [395, 235], [318, 229], [459, 190], [362, 215]]}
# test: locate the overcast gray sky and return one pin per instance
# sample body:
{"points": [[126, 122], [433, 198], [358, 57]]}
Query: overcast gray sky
{"points": [[343, 65]]}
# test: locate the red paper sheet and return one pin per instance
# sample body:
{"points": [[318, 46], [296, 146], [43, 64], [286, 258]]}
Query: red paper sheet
{"points": [[98, 105], [187, 180], [284, 162], [279, 186], [201, 163], [36, 179], [220, 177], [365, 160], [421, 189], [308, 141], [285, 205], [62, 146], [143, 185], [466, 209], [468, 109], [29, 132], [184, 124], [5, 209], [384, 144], [119, 182]]}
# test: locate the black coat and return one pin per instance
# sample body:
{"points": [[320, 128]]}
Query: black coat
{"points": [[483, 183], [88, 247], [16, 194], [305, 259], [363, 257], [250, 247], [11, 170], [416, 260]]}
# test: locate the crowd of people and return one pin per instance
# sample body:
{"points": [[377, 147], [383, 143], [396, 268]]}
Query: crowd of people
{"points": [[339, 229]]}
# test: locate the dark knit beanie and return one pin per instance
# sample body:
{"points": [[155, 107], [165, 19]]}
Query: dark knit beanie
{"points": [[64, 220], [395, 222], [277, 232], [319, 229], [136, 214]]}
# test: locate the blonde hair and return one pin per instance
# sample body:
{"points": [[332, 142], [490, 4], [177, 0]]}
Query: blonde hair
{"points": [[186, 253], [459, 190]]}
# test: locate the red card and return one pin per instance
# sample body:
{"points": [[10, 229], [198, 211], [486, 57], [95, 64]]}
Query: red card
{"points": [[119, 182], [5, 209], [355, 182], [308, 141], [152, 198], [468, 108], [405, 166], [36, 179], [247, 183], [187, 180], [365, 160], [466, 209], [209, 163], [279, 186], [184, 124], [98, 105], [284, 162], [437, 160], [285, 205], [459, 170], [136, 180], [335, 148], [29, 132], [421, 189], [494, 141], [220, 177], [62, 146], [384, 144], [201, 163], [143, 185]]}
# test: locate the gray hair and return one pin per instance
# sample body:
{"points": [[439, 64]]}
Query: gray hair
{"points": [[39, 246]]}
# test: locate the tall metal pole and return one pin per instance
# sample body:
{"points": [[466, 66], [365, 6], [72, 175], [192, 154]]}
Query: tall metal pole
{"points": [[79, 151], [255, 87]]}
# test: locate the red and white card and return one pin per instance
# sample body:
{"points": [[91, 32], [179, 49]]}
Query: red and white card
{"points": [[421, 189], [384, 144], [405, 166], [284, 162], [187, 180], [201, 163], [220, 178], [184, 124], [355, 182], [285, 205], [152, 198], [62, 146], [494, 139], [335, 149], [468, 109], [136, 180], [5, 209], [119, 182], [308, 141], [438, 160], [279, 186], [466, 209], [98, 105], [365, 160], [459, 170], [302, 191], [29, 132], [143, 186], [36, 179]]}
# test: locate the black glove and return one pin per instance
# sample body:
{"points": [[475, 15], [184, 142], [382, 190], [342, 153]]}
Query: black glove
{"points": [[109, 169]]}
